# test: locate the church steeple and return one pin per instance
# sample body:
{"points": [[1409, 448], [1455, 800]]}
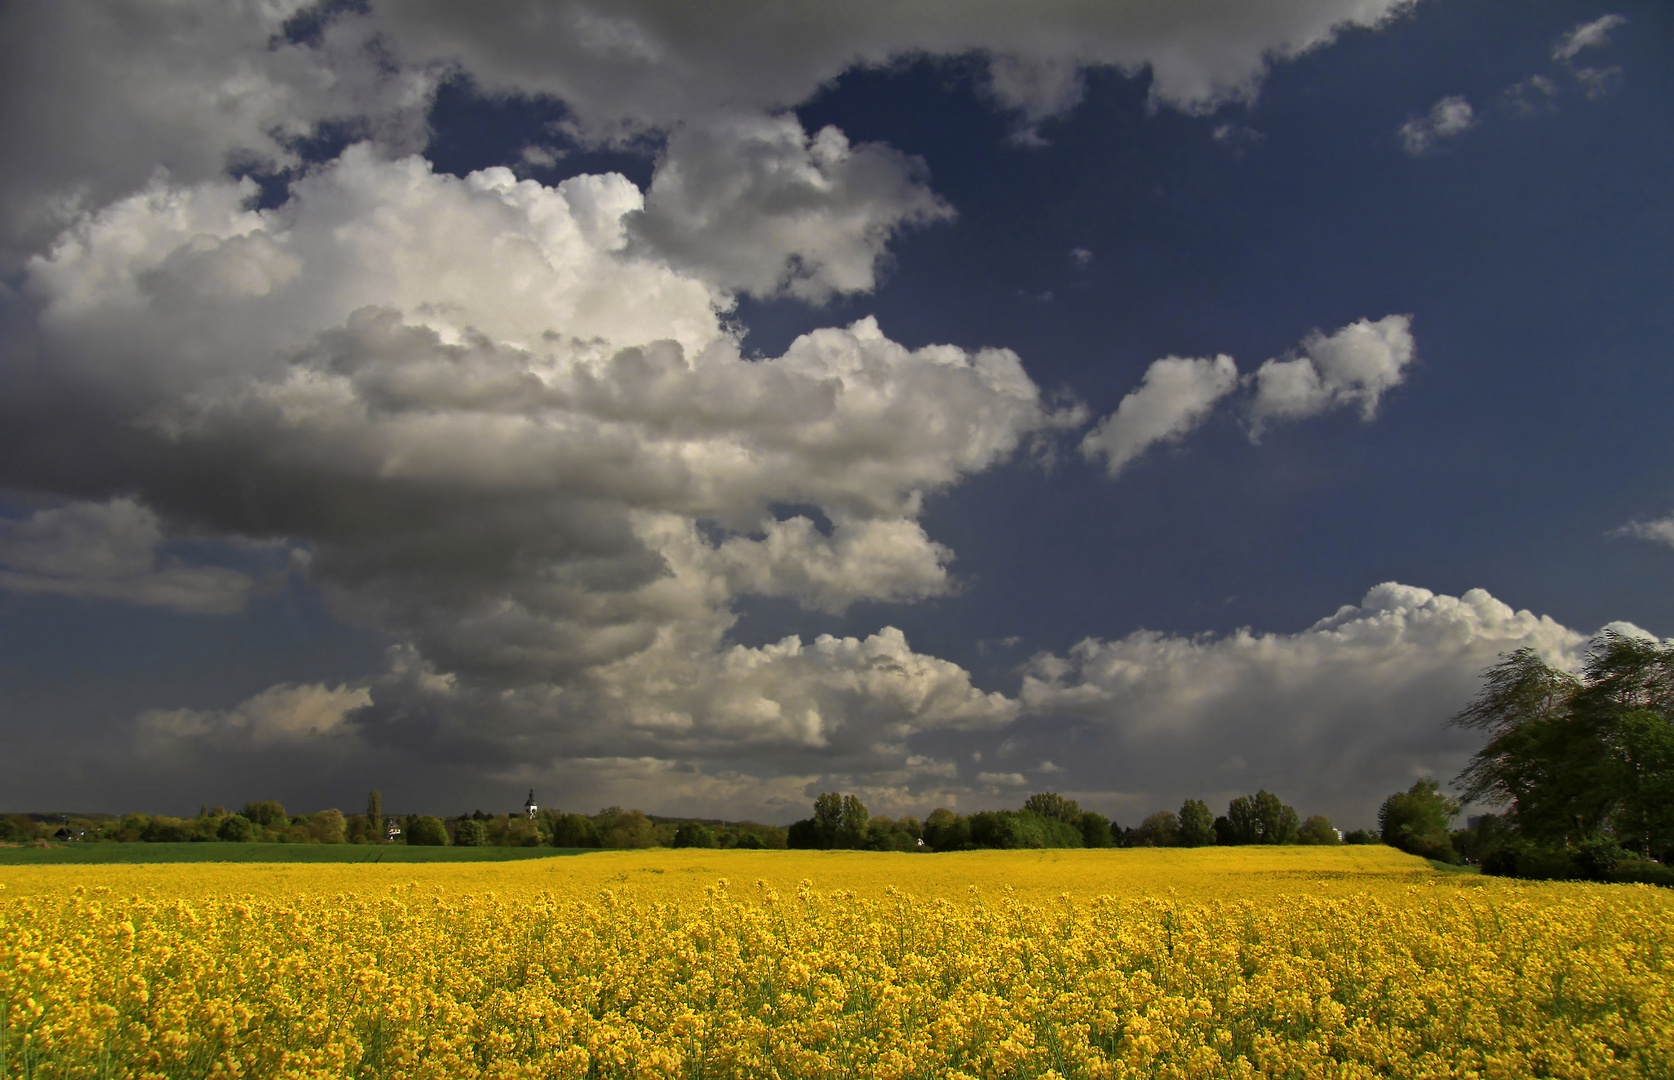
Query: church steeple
{"points": [[529, 807]]}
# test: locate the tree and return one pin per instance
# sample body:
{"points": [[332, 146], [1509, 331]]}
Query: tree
{"points": [[1417, 821], [1243, 823], [1279, 823], [1095, 830], [574, 831], [268, 814], [426, 831], [1161, 829], [1317, 830], [1197, 824], [470, 833], [1262, 818], [619, 828], [326, 827], [1576, 757], [689, 834], [236, 828], [1050, 804], [828, 818], [1360, 836], [946, 831], [853, 831], [375, 815], [17, 829], [1644, 816]]}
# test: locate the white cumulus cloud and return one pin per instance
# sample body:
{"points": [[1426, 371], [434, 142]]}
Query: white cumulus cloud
{"points": [[754, 204], [1448, 118], [1176, 395], [643, 65], [1332, 717], [1354, 366], [517, 428]]}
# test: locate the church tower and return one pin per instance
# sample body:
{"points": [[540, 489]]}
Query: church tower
{"points": [[529, 807]]}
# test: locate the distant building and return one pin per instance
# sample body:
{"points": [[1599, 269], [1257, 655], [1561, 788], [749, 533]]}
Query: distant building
{"points": [[529, 807], [392, 830]]}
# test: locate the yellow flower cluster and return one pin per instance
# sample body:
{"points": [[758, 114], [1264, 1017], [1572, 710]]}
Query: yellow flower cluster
{"points": [[1235, 963]]}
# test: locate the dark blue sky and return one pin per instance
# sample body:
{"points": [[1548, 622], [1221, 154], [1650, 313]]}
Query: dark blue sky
{"points": [[1524, 450]]}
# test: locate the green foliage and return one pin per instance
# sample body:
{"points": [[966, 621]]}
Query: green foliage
{"points": [[1050, 804], [1417, 822], [689, 834], [1095, 830], [574, 831], [852, 832], [1161, 829], [839, 821], [1572, 757], [1261, 818], [1197, 824], [326, 827], [828, 818], [166, 830], [268, 814], [17, 829], [375, 816], [624, 829], [236, 829], [1317, 830], [946, 831], [1361, 836], [425, 831], [469, 833], [1022, 829], [1488, 833]]}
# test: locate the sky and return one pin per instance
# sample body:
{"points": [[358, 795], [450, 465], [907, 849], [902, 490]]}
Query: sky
{"points": [[700, 407]]}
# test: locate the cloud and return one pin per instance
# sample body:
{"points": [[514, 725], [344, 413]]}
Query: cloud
{"points": [[108, 551], [1236, 137], [1660, 531], [1332, 718], [1176, 396], [1448, 118], [754, 204], [517, 440], [1589, 35], [880, 560], [1356, 365], [94, 97], [1036, 89], [280, 715], [835, 705], [1532, 94], [646, 66]]}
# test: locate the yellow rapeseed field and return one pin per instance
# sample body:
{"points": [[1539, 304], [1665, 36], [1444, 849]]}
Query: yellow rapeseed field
{"points": [[1285, 962]]}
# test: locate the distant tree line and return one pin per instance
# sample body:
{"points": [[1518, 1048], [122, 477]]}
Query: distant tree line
{"points": [[268, 822], [1582, 766], [1050, 820]]}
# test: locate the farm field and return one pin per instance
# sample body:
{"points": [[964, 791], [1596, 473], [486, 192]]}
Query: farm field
{"points": [[1283, 962]]}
